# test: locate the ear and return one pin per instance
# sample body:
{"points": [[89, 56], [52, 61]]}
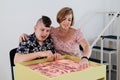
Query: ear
{"points": [[35, 27]]}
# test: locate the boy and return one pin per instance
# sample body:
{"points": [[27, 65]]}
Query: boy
{"points": [[38, 45]]}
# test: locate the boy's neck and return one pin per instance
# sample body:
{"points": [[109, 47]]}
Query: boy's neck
{"points": [[40, 42]]}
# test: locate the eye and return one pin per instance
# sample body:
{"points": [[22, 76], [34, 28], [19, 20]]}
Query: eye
{"points": [[48, 31], [69, 19], [63, 19], [42, 29]]}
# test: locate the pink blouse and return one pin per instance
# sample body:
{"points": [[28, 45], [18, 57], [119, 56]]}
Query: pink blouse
{"points": [[70, 47]]}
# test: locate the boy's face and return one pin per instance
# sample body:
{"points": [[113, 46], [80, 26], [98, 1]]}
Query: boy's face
{"points": [[41, 31]]}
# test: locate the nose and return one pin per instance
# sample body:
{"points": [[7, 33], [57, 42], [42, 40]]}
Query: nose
{"points": [[45, 32]]}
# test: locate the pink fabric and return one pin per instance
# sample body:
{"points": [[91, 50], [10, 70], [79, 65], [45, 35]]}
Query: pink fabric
{"points": [[70, 47], [56, 68]]}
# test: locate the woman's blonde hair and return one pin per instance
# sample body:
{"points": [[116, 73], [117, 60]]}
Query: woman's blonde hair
{"points": [[63, 12]]}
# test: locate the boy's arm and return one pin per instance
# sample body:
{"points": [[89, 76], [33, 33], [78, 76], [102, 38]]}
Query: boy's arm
{"points": [[23, 53], [20, 57], [30, 56]]}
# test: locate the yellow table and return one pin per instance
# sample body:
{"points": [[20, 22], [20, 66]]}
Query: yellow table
{"points": [[98, 72]]}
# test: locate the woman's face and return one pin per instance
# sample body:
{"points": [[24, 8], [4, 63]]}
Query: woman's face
{"points": [[66, 23]]}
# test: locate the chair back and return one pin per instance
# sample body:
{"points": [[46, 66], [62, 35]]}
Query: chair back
{"points": [[11, 55]]}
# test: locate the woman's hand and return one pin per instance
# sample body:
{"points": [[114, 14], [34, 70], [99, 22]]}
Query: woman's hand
{"points": [[84, 63], [23, 37]]}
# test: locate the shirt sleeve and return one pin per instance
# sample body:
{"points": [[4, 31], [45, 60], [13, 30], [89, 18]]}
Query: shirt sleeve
{"points": [[50, 46], [79, 36], [53, 48], [23, 47]]}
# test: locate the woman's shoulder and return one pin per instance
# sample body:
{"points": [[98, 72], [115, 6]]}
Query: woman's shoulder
{"points": [[53, 28], [75, 30]]}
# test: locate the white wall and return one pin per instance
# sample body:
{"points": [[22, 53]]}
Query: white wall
{"points": [[19, 16]]}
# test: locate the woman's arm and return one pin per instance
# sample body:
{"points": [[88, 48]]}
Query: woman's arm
{"points": [[84, 62], [86, 48]]}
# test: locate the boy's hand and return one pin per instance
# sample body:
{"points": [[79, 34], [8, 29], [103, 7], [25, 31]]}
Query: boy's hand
{"points": [[48, 54], [57, 56]]}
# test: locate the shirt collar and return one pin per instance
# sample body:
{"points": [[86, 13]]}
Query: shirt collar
{"points": [[35, 38]]}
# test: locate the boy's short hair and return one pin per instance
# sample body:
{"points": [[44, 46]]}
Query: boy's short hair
{"points": [[46, 21]]}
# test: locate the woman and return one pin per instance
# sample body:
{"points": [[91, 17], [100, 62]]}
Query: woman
{"points": [[67, 39]]}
